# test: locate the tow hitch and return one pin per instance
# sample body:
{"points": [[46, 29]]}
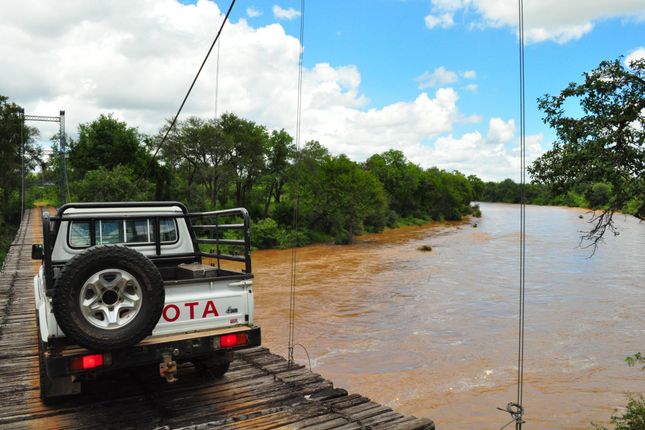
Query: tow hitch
{"points": [[168, 368]]}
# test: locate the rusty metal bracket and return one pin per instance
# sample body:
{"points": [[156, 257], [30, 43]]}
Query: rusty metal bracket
{"points": [[168, 368]]}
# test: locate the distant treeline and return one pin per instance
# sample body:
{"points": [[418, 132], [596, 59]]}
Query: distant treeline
{"points": [[213, 164], [227, 162], [230, 161], [594, 195]]}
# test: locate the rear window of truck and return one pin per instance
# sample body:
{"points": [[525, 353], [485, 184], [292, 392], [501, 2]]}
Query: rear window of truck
{"points": [[122, 231]]}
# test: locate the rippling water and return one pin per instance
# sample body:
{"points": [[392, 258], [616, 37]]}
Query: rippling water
{"points": [[435, 333]]}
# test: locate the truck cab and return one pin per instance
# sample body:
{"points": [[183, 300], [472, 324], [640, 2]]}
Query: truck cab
{"points": [[136, 283]]}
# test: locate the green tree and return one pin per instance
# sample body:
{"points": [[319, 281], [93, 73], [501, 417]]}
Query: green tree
{"points": [[338, 196], [451, 196], [107, 142], [400, 178], [11, 157], [477, 186], [103, 185], [280, 151], [200, 152], [605, 143], [599, 195], [248, 142]]}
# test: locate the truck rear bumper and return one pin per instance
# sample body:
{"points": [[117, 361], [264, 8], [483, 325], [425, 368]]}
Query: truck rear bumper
{"points": [[72, 361]]}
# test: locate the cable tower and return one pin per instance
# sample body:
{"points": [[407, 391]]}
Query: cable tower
{"points": [[60, 119]]}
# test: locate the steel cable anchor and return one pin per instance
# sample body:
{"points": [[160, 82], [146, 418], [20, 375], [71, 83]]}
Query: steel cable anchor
{"points": [[516, 410]]}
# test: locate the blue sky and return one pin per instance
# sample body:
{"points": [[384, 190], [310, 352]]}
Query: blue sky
{"points": [[437, 79], [391, 46]]}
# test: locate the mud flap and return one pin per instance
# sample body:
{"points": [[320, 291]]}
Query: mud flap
{"points": [[51, 388], [58, 387]]}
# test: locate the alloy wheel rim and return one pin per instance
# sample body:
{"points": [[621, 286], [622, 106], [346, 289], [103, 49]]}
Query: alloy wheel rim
{"points": [[110, 299]]}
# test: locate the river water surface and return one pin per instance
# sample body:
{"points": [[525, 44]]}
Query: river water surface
{"points": [[434, 334]]}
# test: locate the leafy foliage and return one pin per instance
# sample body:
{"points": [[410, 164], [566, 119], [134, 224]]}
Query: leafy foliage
{"points": [[231, 161], [103, 185], [10, 167], [11, 157], [633, 418], [606, 144], [106, 143], [636, 359]]}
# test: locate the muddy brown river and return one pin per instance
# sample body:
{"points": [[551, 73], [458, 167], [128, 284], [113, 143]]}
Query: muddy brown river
{"points": [[435, 333]]}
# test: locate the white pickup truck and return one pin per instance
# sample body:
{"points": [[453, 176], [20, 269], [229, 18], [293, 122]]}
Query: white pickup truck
{"points": [[127, 284]]}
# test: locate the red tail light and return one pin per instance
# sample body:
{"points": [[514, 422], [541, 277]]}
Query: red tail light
{"points": [[86, 362], [230, 340]]}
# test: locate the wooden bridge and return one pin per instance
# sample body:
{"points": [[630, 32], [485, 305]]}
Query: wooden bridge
{"points": [[260, 391]]}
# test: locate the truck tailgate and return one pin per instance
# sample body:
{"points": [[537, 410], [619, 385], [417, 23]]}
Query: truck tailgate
{"points": [[200, 304]]}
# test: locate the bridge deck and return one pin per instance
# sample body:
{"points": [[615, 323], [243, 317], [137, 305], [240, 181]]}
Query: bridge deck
{"points": [[258, 392]]}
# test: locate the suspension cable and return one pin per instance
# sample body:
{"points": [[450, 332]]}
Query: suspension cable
{"points": [[181, 107], [520, 358], [516, 409], [219, 45], [292, 292], [22, 163]]}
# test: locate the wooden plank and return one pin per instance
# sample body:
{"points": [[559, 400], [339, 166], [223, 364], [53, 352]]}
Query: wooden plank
{"points": [[260, 391]]}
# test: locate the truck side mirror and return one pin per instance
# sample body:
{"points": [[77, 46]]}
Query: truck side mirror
{"points": [[37, 251]]}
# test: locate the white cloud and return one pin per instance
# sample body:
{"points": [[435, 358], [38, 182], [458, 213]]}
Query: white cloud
{"points": [[471, 153], [469, 74], [471, 87], [440, 76], [136, 59], [636, 54], [444, 20], [500, 131], [252, 12], [287, 14], [552, 20]]}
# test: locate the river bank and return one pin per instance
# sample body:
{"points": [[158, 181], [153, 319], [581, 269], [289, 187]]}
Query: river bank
{"points": [[267, 234], [441, 326]]}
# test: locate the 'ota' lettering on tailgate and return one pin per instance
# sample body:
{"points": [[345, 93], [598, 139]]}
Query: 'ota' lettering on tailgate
{"points": [[172, 312]]}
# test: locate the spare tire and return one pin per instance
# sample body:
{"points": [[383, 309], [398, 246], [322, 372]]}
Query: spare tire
{"points": [[109, 297]]}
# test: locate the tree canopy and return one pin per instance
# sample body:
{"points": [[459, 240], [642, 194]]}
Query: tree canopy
{"points": [[11, 157], [106, 142], [231, 161], [600, 128]]}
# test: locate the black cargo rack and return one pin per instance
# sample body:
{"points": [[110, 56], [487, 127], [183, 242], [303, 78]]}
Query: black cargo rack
{"points": [[207, 223]]}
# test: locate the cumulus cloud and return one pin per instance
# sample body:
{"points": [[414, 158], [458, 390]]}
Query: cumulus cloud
{"points": [[547, 20], [500, 131], [636, 54], [473, 153], [440, 76], [444, 21], [252, 12], [287, 14], [136, 60]]}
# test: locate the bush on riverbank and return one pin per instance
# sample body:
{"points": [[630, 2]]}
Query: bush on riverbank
{"points": [[632, 418]]}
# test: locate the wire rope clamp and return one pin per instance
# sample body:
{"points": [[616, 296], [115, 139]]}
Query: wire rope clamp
{"points": [[168, 368], [516, 411]]}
